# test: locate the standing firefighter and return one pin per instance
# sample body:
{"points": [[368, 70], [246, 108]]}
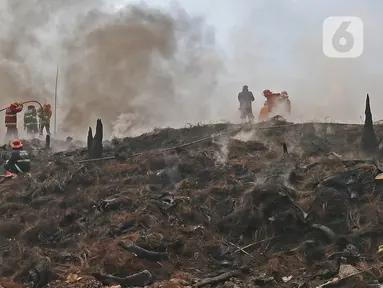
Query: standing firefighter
{"points": [[276, 104], [264, 112], [19, 161], [11, 120], [271, 99], [45, 115], [286, 103], [245, 98], [30, 120]]}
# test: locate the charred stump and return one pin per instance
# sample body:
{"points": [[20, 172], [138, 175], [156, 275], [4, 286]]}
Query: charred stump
{"points": [[370, 144], [284, 146], [47, 142], [95, 143], [89, 140]]}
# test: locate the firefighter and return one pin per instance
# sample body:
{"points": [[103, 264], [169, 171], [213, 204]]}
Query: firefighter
{"points": [[286, 102], [30, 120], [19, 161], [245, 98], [263, 113], [11, 120], [45, 115], [271, 99]]}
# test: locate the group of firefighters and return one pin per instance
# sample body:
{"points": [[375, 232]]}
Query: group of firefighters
{"points": [[275, 104], [34, 120]]}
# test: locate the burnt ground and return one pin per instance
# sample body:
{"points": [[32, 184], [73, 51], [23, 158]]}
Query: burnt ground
{"points": [[234, 202]]}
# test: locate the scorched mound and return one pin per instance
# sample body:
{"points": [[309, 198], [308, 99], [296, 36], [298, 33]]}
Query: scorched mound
{"points": [[190, 210]]}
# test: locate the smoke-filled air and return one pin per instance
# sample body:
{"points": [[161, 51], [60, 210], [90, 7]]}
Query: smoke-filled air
{"points": [[198, 143], [141, 66]]}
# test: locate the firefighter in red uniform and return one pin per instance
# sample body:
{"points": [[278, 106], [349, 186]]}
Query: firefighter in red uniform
{"points": [[11, 120]]}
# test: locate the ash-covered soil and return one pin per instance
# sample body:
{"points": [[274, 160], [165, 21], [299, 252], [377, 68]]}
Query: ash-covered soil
{"points": [[232, 202]]}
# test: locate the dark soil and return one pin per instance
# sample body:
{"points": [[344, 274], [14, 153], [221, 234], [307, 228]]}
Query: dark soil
{"points": [[197, 206]]}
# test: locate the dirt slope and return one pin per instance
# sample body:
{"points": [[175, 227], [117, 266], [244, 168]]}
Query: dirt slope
{"points": [[195, 207]]}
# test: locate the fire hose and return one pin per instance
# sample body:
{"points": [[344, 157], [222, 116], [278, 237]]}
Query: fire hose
{"points": [[32, 101]]}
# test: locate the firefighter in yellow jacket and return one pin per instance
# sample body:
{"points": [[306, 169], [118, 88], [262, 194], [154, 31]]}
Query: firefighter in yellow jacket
{"points": [[45, 115]]}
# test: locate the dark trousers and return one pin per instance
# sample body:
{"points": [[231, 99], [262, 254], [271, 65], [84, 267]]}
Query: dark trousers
{"points": [[47, 128], [247, 112], [11, 168], [32, 129]]}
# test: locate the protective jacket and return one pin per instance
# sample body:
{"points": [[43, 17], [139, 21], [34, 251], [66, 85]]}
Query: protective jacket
{"points": [[263, 113], [272, 100], [285, 101], [45, 115], [245, 98], [30, 118], [11, 114], [19, 161]]}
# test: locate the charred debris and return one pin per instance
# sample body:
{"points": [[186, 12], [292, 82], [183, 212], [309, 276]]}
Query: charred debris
{"points": [[185, 209], [94, 144], [370, 145]]}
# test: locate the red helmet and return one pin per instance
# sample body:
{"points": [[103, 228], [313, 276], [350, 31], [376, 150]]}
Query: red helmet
{"points": [[284, 93], [31, 106], [48, 106], [16, 144]]}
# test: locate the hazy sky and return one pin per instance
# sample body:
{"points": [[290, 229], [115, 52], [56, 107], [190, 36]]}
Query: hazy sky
{"points": [[154, 58], [224, 15], [280, 23], [277, 44]]}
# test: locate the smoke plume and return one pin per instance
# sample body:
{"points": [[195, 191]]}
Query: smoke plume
{"points": [[139, 67], [136, 68]]}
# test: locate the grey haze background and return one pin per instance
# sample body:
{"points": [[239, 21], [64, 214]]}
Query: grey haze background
{"points": [[167, 63]]}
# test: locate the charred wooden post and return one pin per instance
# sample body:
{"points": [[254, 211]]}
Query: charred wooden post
{"points": [[284, 146], [89, 141], [99, 131], [96, 146], [370, 143], [47, 142]]}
